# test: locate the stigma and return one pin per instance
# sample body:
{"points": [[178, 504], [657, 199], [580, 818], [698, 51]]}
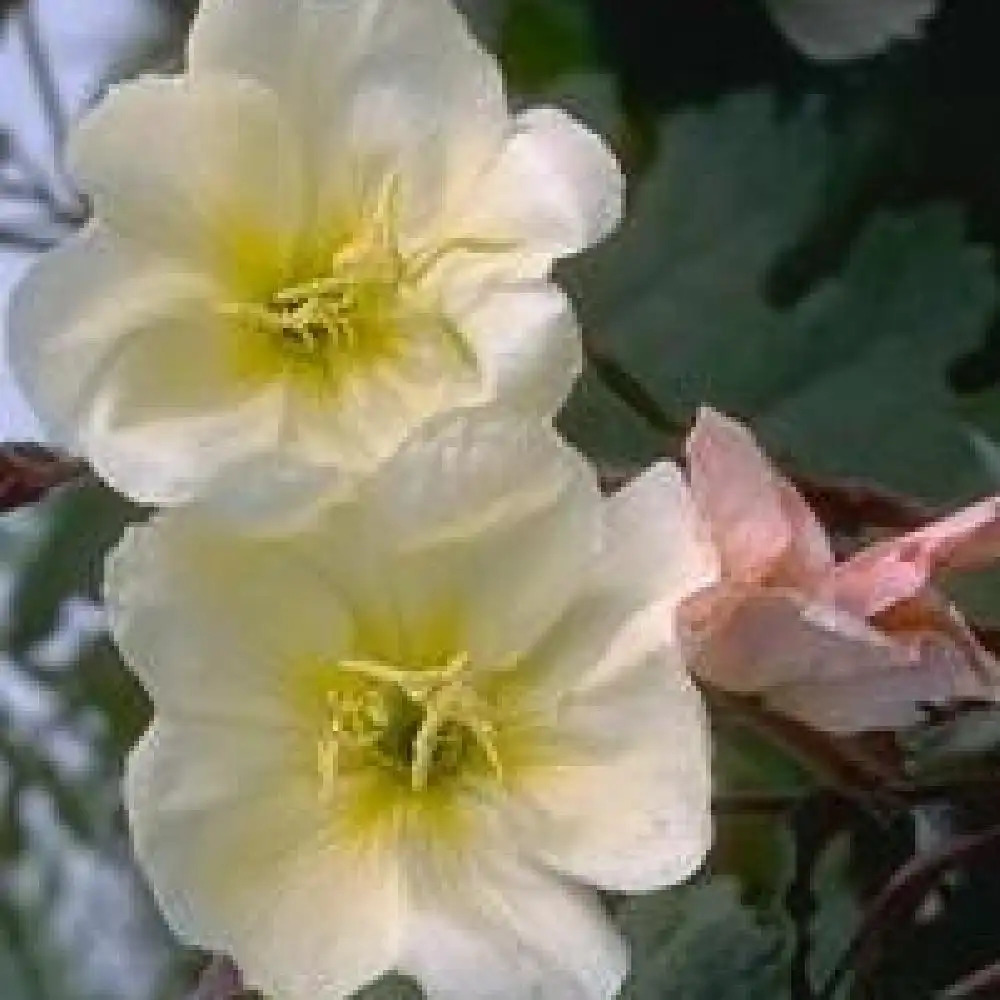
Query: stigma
{"points": [[421, 726]]}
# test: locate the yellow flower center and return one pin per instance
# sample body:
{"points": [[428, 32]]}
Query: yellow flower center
{"points": [[357, 303], [421, 728], [345, 317], [320, 331]]}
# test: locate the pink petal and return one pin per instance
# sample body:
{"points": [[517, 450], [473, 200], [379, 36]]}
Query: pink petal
{"points": [[809, 556], [755, 641], [831, 670], [895, 570], [753, 513]]}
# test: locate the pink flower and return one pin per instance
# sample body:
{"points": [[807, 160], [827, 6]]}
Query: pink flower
{"points": [[844, 646]]}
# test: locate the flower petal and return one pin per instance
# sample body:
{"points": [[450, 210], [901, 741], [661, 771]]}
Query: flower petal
{"points": [[492, 514], [554, 190], [894, 570], [202, 170], [212, 622], [234, 845], [884, 690], [68, 314], [338, 66], [123, 359], [849, 29], [631, 809], [371, 415], [657, 541], [834, 671], [652, 556], [496, 928], [753, 514], [527, 342]]}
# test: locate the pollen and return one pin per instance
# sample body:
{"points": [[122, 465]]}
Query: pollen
{"points": [[346, 312], [420, 728]]}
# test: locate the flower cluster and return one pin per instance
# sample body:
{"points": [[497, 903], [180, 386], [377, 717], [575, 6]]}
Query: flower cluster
{"points": [[413, 706], [421, 689]]}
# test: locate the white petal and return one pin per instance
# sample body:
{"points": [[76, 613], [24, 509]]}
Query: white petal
{"points": [[656, 540], [654, 552], [527, 341], [848, 29], [373, 413], [271, 41], [495, 928], [554, 190], [401, 85], [123, 359], [234, 845], [68, 314], [488, 514], [202, 170], [214, 623], [632, 811]]}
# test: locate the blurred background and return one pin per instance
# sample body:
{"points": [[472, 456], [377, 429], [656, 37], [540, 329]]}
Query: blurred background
{"points": [[812, 245]]}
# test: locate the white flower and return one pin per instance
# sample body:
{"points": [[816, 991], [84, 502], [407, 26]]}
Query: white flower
{"points": [[327, 230], [849, 29], [409, 736]]}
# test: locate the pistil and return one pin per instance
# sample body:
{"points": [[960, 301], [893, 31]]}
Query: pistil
{"points": [[423, 722]]}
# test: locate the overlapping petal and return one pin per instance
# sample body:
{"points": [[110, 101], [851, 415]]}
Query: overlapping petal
{"points": [[371, 231], [861, 644], [466, 564], [205, 171], [338, 68], [499, 928], [240, 861]]}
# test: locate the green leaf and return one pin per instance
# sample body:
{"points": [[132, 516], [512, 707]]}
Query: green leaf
{"points": [[83, 521], [745, 762], [758, 849], [699, 942], [543, 39], [391, 987], [960, 747], [837, 913], [599, 423], [850, 380]]}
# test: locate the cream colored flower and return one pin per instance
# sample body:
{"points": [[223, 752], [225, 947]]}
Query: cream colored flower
{"points": [[409, 736], [849, 29], [327, 230]]}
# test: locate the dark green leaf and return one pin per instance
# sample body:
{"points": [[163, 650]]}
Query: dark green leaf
{"points": [[544, 39], [851, 379], [85, 520], [699, 942]]}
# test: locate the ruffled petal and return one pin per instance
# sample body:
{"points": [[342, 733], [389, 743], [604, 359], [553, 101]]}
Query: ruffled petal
{"points": [[216, 624], [400, 89], [125, 361], [234, 843], [527, 342], [629, 806], [203, 170], [490, 514], [657, 544], [651, 556], [753, 514], [897, 569], [554, 190], [497, 928]]}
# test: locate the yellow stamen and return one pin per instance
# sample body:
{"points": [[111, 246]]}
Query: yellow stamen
{"points": [[416, 721]]}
